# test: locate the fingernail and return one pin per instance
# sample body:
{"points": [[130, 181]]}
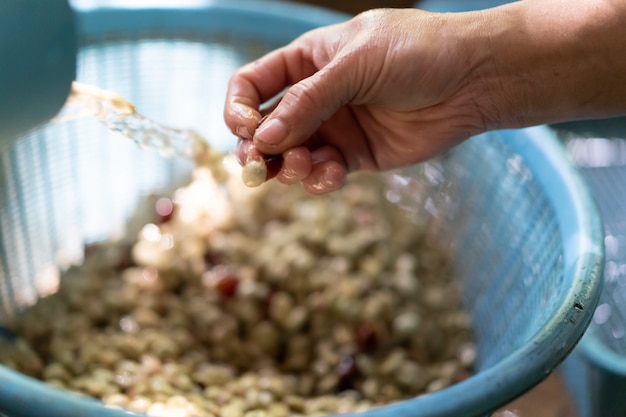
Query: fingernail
{"points": [[271, 132], [242, 150], [244, 133], [243, 111]]}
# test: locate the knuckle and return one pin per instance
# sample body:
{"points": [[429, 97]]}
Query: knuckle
{"points": [[303, 98], [303, 93]]}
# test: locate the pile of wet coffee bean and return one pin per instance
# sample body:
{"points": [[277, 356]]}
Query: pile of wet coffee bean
{"points": [[252, 303]]}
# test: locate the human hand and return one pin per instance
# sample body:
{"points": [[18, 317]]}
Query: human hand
{"points": [[389, 88], [385, 89]]}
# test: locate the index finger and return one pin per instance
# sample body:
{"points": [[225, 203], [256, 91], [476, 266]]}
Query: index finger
{"points": [[255, 83]]}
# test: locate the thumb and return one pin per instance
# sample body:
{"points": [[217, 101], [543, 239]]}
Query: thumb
{"points": [[303, 109]]}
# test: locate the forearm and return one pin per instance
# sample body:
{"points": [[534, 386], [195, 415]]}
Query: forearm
{"points": [[543, 61]]}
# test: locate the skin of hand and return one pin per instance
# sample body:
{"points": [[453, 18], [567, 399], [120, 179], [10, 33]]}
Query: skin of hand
{"points": [[392, 87]]}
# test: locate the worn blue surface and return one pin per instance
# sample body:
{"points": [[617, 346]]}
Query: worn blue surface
{"points": [[596, 371]]}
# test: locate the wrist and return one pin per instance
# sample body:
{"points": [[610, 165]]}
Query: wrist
{"points": [[544, 61]]}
